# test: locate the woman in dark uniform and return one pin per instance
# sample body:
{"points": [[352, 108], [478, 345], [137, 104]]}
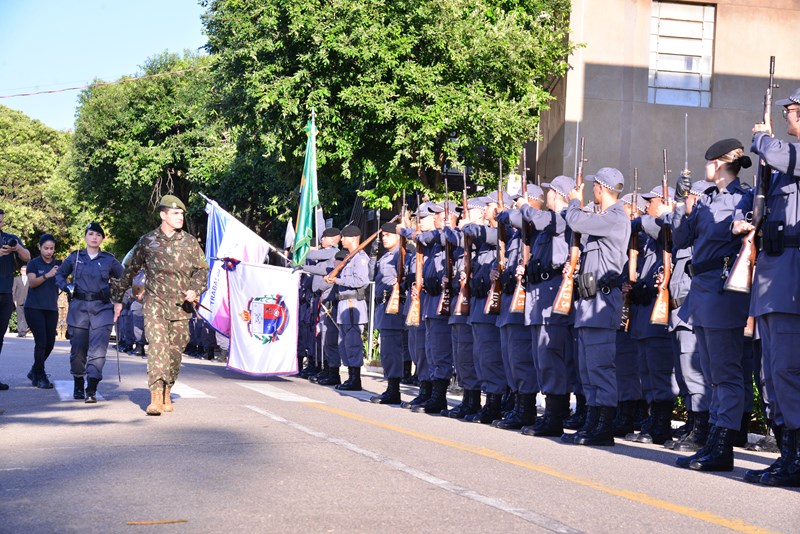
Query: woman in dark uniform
{"points": [[718, 316], [91, 312], [41, 308]]}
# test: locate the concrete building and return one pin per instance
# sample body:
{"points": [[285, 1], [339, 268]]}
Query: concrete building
{"points": [[645, 64]]}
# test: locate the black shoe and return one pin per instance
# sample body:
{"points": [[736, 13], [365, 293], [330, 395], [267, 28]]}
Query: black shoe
{"points": [[551, 424], [719, 452], [314, 379], [44, 382], [623, 422], [425, 390], [787, 451], [78, 392], [590, 421], [391, 395], [685, 428], [524, 415], [602, 435], [509, 401], [577, 419], [3, 387], [353, 382], [493, 409], [438, 400], [91, 390], [470, 404], [642, 415], [697, 436], [659, 431], [332, 378], [787, 474]]}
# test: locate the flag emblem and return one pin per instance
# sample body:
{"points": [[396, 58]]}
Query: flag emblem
{"points": [[266, 317]]}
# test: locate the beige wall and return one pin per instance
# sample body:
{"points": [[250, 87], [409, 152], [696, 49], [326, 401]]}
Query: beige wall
{"points": [[605, 94]]}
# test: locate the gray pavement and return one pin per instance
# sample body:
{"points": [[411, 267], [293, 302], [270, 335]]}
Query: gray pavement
{"points": [[245, 454]]}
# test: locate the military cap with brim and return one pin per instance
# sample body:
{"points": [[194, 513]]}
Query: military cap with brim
{"points": [[658, 192], [561, 185], [331, 232], [641, 204], [476, 203], [95, 227], [794, 98], [171, 202], [534, 191], [389, 228], [492, 197], [452, 206], [427, 209], [351, 231], [609, 177]]}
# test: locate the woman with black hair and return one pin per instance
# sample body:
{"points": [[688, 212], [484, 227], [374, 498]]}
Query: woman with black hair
{"points": [[41, 308]]}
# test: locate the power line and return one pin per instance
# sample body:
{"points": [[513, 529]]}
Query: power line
{"points": [[78, 88]]}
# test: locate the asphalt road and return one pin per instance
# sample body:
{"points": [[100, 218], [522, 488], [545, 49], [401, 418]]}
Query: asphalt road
{"points": [[244, 454]]}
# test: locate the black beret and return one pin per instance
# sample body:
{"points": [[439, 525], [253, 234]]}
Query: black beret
{"points": [[720, 148], [389, 228], [341, 255], [95, 227], [331, 232], [351, 231]]}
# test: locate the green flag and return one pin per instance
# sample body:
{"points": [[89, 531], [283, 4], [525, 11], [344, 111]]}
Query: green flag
{"points": [[304, 232]]}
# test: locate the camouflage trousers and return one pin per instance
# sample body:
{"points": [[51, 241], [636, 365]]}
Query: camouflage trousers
{"points": [[167, 339]]}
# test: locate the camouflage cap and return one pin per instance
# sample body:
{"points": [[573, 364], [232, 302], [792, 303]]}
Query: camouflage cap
{"points": [[171, 202]]}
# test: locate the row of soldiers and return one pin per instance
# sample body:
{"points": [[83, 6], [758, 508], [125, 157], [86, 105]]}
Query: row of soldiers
{"points": [[482, 293]]}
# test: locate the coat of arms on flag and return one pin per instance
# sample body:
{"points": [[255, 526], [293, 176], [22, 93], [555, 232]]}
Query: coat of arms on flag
{"points": [[266, 317]]}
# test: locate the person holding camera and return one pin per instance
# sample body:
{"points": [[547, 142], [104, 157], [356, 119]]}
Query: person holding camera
{"points": [[41, 308], [11, 252], [91, 313]]}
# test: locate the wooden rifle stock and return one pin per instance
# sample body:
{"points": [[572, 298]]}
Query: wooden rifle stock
{"points": [[519, 297], [336, 270], [414, 312], [464, 293], [393, 304], [633, 255], [563, 302], [492, 306], [660, 313], [443, 308]]}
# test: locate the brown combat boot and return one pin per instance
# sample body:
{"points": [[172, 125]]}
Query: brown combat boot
{"points": [[167, 407], [156, 405]]}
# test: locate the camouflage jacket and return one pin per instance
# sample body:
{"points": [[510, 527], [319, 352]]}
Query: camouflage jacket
{"points": [[172, 265]]}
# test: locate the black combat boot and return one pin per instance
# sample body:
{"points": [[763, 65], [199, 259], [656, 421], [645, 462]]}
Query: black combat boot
{"points": [[510, 414], [788, 474], [493, 409], [744, 429], [78, 392], [697, 436], [551, 424], [524, 416], [438, 400], [642, 415], [353, 382], [331, 379], [470, 404], [509, 401], [660, 429], [33, 376], [787, 450], [623, 422], [91, 390], [719, 455], [391, 395], [684, 429], [590, 421], [578, 418], [43, 381], [425, 390], [319, 374], [713, 436], [602, 435], [408, 378]]}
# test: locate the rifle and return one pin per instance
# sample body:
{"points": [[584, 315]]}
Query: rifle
{"points": [[414, 313], [393, 304], [518, 298], [492, 306], [464, 294], [443, 308], [336, 270], [740, 278], [633, 255], [660, 313], [563, 302]]}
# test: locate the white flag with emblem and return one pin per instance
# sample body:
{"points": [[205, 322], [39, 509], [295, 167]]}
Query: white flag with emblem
{"points": [[263, 306]]}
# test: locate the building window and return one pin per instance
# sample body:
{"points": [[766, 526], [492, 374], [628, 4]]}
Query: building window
{"points": [[681, 54]]}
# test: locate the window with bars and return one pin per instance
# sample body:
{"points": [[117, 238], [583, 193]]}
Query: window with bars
{"points": [[681, 54]]}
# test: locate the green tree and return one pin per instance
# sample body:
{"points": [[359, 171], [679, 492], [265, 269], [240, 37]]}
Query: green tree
{"points": [[400, 87], [30, 192]]}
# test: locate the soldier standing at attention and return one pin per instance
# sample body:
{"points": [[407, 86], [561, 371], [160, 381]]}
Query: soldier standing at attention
{"points": [[11, 251], [351, 311], [775, 295], [91, 313], [598, 310], [175, 273]]}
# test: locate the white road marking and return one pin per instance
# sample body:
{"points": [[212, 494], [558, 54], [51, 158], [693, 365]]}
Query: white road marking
{"points": [[499, 504], [182, 391], [64, 389], [275, 392]]}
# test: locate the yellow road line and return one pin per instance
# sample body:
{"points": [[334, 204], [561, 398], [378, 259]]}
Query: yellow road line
{"points": [[734, 524]]}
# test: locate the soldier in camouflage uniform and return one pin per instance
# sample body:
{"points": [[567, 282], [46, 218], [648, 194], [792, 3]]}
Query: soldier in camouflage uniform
{"points": [[175, 272]]}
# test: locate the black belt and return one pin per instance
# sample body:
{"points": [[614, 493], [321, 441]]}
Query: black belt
{"points": [[80, 295], [714, 264], [538, 277], [791, 241]]}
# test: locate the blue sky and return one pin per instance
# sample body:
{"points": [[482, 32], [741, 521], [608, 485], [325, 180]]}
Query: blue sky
{"points": [[52, 44]]}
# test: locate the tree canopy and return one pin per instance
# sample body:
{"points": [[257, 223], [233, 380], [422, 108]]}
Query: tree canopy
{"points": [[400, 87]]}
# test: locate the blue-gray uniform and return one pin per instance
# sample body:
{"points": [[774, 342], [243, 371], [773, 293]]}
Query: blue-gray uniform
{"points": [[486, 336], [597, 318], [775, 292], [351, 311], [438, 343], [329, 334], [718, 316], [91, 312], [391, 326]]}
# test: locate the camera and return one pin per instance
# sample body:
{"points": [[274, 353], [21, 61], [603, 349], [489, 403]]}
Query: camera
{"points": [[10, 242]]}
